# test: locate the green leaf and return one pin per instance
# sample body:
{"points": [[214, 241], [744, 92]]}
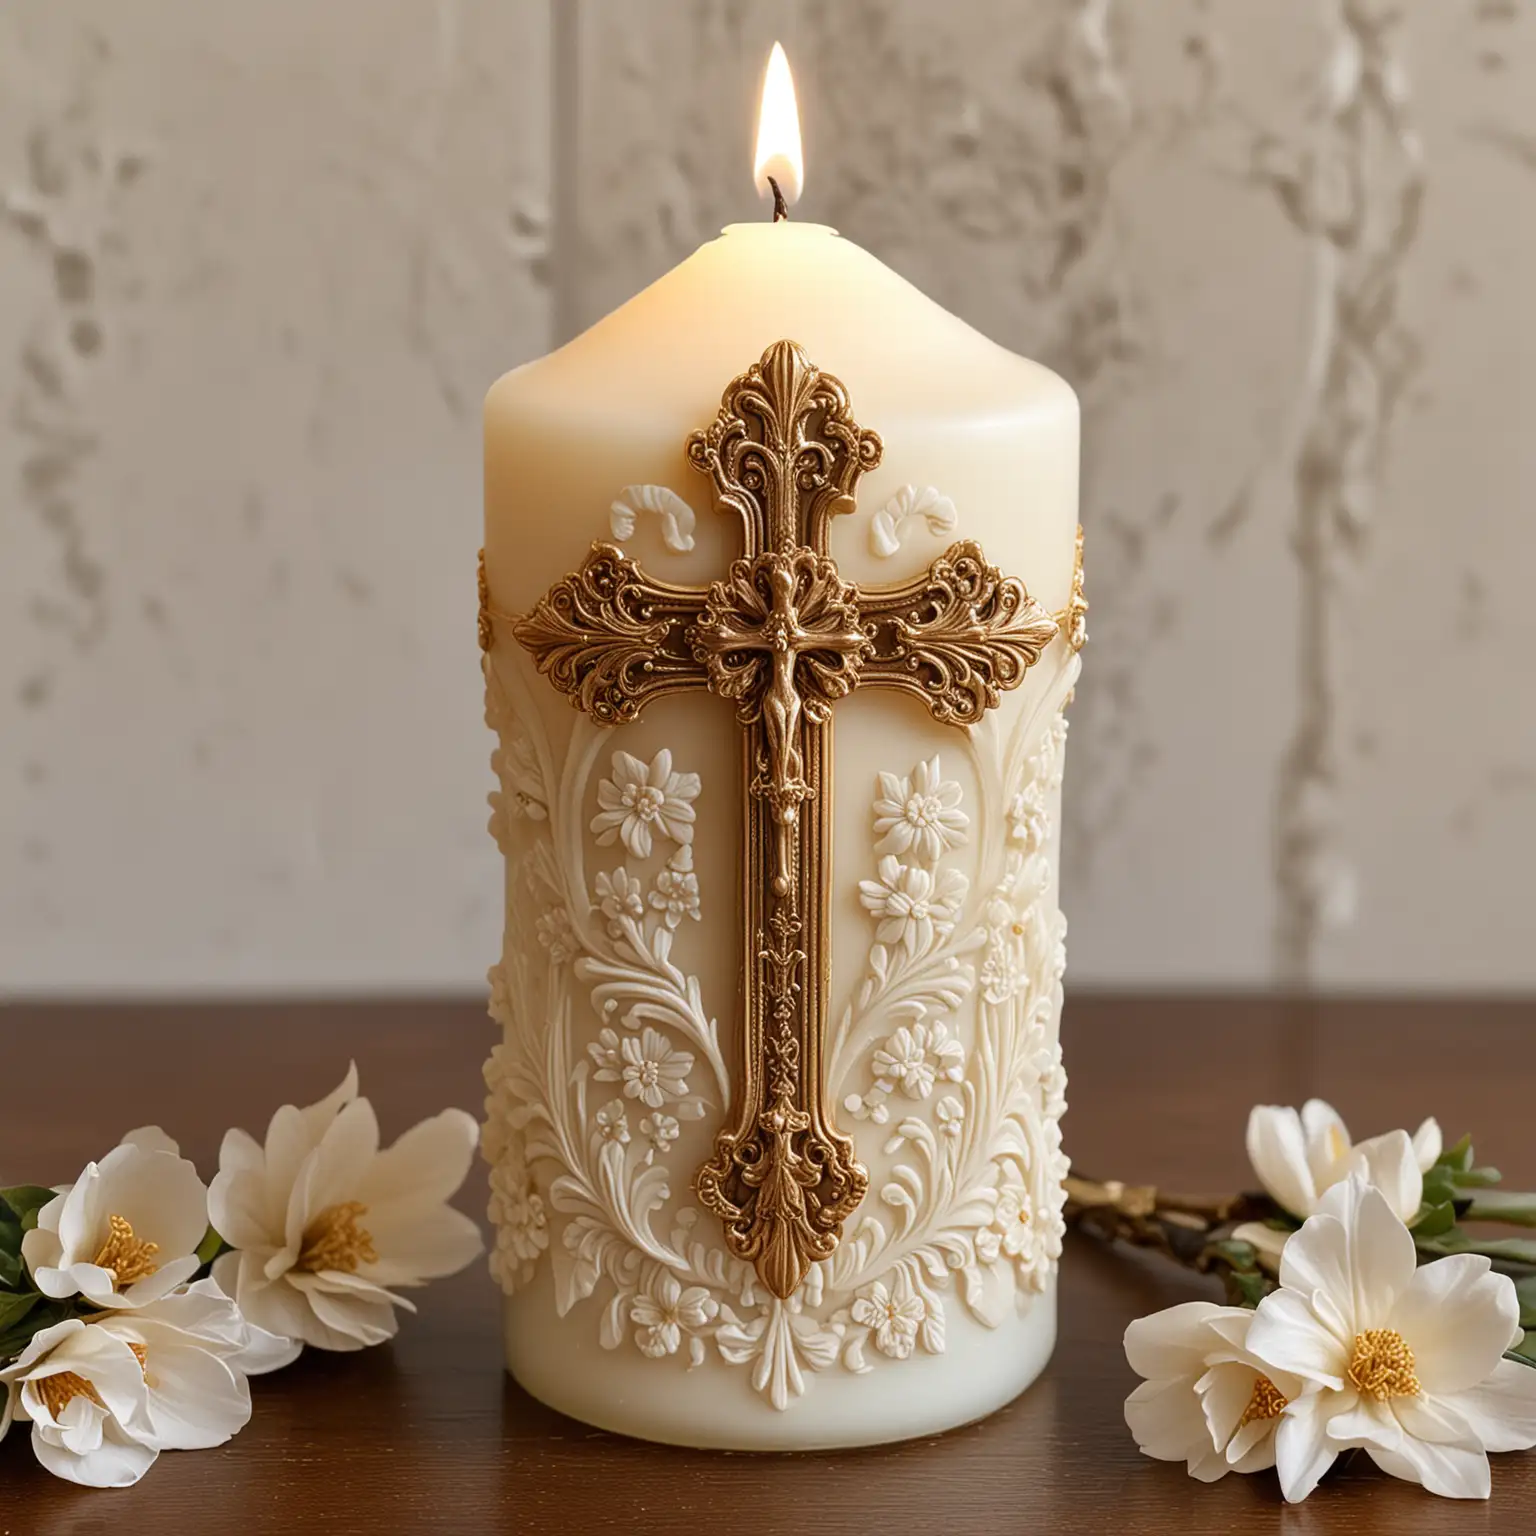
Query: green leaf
{"points": [[1239, 1255], [1515, 1207], [1458, 1159], [1525, 1290], [14, 1308], [1248, 1287], [1509, 1250], [1478, 1178], [210, 1248], [1434, 1220], [14, 1340], [26, 1200], [1525, 1350], [11, 1271]]}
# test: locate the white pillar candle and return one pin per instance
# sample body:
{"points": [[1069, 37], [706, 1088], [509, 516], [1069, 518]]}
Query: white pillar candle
{"points": [[619, 991]]}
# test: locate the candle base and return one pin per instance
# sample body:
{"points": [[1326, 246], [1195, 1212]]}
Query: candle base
{"points": [[714, 1407]]}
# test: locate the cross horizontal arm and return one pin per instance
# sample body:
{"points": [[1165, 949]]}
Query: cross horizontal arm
{"points": [[611, 638], [958, 636]]}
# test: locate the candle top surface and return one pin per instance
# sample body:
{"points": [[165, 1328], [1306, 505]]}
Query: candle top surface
{"points": [[669, 351]]}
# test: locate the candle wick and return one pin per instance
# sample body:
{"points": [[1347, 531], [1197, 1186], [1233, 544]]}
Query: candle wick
{"points": [[780, 207]]}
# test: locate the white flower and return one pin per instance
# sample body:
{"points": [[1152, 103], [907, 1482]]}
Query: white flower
{"points": [[916, 1057], [522, 788], [661, 1130], [677, 889], [557, 935], [613, 1122], [664, 1311], [619, 897], [126, 1232], [892, 1314], [1012, 1231], [1406, 1362], [1299, 1157], [1027, 823], [950, 1113], [84, 1390], [606, 1056], [522, 1225], [653, 1072], [639, 801], [922, 812], [912, 904], [1206, 1400], [323, 1222], [106, 1397]]}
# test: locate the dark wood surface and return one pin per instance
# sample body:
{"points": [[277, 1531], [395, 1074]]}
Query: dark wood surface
{"points": [[427, 1434]]}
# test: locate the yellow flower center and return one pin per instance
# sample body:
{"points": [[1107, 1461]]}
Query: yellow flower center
{"points": [[1381, 1365], [1267, 1402], [128, 1257], [334, 1240], [59, 1391], [142, 1356]]}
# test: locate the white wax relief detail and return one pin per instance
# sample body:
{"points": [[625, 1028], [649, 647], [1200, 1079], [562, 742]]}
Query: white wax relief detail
{"points": [[951, 1035], [674, 514], [887, 528]]}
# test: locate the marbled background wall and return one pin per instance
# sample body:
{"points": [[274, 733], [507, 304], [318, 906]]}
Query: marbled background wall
{"points": [[259, 262]]}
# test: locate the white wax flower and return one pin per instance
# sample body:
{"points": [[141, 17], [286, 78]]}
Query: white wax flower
{"points": [[1298, 1157], [323, 1223], [1404, 1361], [126, 1232], [105, 1397], [1207, 1400]]}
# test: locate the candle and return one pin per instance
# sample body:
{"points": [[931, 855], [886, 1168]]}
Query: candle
{"points": [[781, 607]]}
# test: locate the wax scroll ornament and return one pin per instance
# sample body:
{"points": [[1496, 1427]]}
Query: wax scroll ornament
{"points": [[783, 636]]}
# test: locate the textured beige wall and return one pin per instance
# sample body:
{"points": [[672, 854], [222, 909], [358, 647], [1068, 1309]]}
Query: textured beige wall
{"points": [[258, 263]]}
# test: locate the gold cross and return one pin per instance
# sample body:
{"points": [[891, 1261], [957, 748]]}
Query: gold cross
{"points": [[783, 636]]}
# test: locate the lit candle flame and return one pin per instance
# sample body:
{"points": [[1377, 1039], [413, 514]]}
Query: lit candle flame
{"points": [[778, 132]]}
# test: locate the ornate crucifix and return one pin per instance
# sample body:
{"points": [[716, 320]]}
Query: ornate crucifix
{"points": [[783, 636]]}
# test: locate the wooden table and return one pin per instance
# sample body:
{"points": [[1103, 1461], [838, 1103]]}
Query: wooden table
{"points": [[428, 1435]]}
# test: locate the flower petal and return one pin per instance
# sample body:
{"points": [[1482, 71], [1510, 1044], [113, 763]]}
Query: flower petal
{"points": [[1287, 1335], [1302, 1449], [1166, 1420], [427, 1164], [1278, 1151], [1501, 1411], [1452, 1471], [118, 1462], [1458, 1318], [1427, 1144], [1225, 1392], [419, 1244], [1173, 1342], [1328, 1142], [1388, 1163], [1382, 1258], [294, 1133], [196, 1401], [150, 1138]]}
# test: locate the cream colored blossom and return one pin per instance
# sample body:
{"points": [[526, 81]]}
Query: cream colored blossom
{"points": [[1206, 1400], [1402, 1360], [126, 1232], [642, 801], [325, 1225], [920, 813]]}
